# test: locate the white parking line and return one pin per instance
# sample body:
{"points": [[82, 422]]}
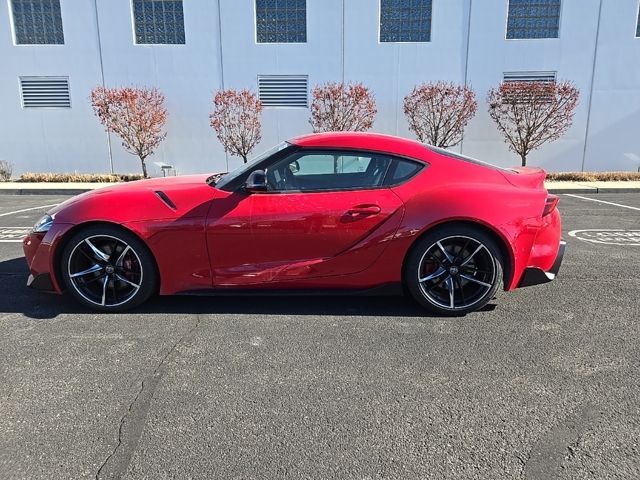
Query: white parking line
{"points": [[27, 209], [13, 234], [602, 201]]}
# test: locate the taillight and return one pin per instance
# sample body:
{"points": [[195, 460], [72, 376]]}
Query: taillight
{"points": [[550, 204]]}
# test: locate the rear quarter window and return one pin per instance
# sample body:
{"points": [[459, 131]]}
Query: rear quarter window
{"points": [[402, 170], [459, 156]]}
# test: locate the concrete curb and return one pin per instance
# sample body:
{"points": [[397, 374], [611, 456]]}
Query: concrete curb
{"points": [[559, 191], [618, 190], [629, 186]]}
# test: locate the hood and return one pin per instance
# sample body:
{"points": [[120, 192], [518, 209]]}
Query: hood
{"points": [[149, 199]]}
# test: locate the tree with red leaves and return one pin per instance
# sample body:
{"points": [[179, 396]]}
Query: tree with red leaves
{"points": [[136, 115], [236, 121], [337, 107], [438, 112], [530, 114]]}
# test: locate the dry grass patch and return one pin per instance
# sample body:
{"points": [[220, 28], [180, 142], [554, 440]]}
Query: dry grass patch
{"points": [[79, 177], [593, 176]]}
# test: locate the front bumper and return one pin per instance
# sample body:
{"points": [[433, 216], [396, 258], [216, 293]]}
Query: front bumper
{"points": [[41, 281], [39, 251], [536, 276], [38, 279]]}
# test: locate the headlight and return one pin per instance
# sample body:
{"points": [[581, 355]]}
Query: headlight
{"points": [[43, 225]]}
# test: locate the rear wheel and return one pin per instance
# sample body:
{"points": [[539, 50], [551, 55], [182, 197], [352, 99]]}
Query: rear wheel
{"points": [[108, 269], [454, 270]]}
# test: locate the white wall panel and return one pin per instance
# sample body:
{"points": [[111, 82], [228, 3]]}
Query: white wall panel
{"points": [[72, 138]]}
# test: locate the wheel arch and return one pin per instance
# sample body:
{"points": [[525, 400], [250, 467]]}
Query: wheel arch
{"points": [[64, 240], [502, 243]]}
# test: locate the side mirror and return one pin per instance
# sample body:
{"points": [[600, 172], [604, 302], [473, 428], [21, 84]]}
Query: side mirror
{"points": [[294, 166], [257, 182]]}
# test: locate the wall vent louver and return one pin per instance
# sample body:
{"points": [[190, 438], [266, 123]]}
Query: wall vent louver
{"points": [[45, 92], [544, 78], [547, 77], [283, 90]]}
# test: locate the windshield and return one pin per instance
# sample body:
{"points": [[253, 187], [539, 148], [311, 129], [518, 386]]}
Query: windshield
{"points": [[229, 177]]}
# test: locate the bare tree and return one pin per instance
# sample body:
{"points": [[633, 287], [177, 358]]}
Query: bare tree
{"points": [[236, 121], [136, 115], [6, 170], [530, 114], [438, 112], [337, 107]]}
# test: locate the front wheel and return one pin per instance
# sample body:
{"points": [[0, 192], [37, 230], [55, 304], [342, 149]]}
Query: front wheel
{"points": [[108, 269], [454, 270]]}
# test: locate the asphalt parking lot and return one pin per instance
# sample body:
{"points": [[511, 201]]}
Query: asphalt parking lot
{"points": [[544, 384]]}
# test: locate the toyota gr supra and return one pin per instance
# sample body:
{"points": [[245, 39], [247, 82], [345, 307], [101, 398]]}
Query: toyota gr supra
{"points": [[333, 212]]}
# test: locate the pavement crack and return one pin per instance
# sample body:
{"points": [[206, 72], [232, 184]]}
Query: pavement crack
{"points": [[522, 458], [120, 429], [132, 422]]}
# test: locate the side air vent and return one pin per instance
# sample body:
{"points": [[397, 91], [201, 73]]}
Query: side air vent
{"points": [[283, 90], [163, 196], [45, 92]]}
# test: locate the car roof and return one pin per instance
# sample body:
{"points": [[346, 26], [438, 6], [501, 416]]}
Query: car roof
{"points": [[366, 141]]}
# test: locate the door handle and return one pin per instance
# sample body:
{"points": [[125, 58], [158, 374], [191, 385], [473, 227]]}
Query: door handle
{"points": [[364, 210]]}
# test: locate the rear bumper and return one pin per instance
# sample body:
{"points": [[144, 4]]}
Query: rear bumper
{"points": [[536, 276]]}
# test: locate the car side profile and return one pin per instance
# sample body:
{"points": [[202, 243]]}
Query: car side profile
{"points": [[333, 212]]}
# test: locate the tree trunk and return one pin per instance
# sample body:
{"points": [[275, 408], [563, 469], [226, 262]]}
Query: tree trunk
{"points": [[244, 158], [524, 160], [144, 168]]}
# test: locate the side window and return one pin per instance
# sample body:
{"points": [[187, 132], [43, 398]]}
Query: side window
{"points": [[402, 170], [311, 171], [352, 164], [312, 165]]}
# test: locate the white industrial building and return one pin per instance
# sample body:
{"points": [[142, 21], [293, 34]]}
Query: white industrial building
{"points": [[53, 52]]}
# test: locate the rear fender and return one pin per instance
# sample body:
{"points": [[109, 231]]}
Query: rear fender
{"points": [[514, 216]]}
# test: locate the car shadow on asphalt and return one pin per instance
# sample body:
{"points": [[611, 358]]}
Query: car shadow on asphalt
{"points": [[16, 297]]}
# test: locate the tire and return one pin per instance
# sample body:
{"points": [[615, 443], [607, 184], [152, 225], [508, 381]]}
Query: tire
{"points": [[454, 258], [108, 269]]}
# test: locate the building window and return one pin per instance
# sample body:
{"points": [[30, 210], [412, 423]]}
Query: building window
{"points": [[158, 22], [283, 90], [405, 20], [37, 22], [45, 92], [281, 21], [533, 19]]}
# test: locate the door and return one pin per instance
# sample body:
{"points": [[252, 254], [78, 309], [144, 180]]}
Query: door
{"points": [[315, 219]]}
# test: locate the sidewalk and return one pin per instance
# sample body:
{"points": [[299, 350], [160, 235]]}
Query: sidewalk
{"points": [[15, 188]]}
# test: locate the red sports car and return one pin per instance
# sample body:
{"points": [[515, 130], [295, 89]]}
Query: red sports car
{"points": [[334, 212]]}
